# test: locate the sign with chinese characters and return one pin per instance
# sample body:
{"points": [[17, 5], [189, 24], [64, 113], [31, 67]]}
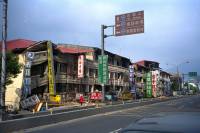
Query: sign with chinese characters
{"points": [[154, 83], [29, 102], [130, 23], [103, 69], [149, 84], [51, 76], [80, 66], [131, 78], [27, 74], [96, 96]]}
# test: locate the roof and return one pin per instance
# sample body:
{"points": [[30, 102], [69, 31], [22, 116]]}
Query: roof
{"points": [[87, 48], [18, 44], [63, 49], [140, 65], [165, 72], [142, 62]]}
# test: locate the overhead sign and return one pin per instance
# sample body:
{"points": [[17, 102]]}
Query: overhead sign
{"points": [[130, 23], [192, 74], [80, 66], [103, 69]]}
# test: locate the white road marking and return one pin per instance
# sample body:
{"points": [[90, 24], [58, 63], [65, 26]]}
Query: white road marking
{"points": [[116, 131]]}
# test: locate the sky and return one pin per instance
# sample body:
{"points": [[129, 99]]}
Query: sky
{"points": [[171, 36]]}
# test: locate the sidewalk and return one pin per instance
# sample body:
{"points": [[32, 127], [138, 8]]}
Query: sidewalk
{"points": [[76, 106]]}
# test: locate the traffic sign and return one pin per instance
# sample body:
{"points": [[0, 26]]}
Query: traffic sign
{"points": [[103, 69], [130, 23], [192, 74]]}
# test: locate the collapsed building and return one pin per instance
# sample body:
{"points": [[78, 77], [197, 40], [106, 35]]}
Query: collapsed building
{"points": [[62, 70]]}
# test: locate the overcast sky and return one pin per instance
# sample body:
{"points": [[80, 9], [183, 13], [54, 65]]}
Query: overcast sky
{"points": [[172, 27]]}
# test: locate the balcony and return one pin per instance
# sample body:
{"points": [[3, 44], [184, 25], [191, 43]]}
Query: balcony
{"points": [[37, 81], [140, 85], [111, 68], [139, 74], [39, 57]]}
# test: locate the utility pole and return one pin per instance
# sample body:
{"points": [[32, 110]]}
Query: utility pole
{"points": [[178, 78], [103, 36], [102, 53], [3, 69]]}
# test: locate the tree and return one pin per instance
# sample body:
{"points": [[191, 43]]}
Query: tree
{"points": [[13, 67], [175, 85]]}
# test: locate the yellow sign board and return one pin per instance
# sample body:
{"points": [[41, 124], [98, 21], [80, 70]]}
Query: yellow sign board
{"points": [[56, 98], [52, 88]]}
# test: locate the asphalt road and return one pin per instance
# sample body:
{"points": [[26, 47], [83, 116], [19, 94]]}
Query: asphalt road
{"points": [[113, 121]]}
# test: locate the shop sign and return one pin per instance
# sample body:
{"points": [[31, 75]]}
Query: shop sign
{"points": [[51, 76], [81, 66], [27, 81], [27, 72], [96, 96], [30, 55], [56, 98], [149, 84], [103, 69], [131, 73], [28, 64], [154, 83]]}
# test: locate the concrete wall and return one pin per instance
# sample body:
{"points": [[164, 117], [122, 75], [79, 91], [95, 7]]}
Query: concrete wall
{"points": [[13, 91]]}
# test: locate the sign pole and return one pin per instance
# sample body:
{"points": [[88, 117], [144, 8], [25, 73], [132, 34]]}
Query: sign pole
{"points": [[102, 53]]}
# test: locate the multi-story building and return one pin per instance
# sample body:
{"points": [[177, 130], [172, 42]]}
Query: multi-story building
{"points": [[118, 68], [165, 83], [34, 77], [140, 79], [148, 88]]}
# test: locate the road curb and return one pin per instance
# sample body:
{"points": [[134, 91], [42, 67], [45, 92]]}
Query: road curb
{"points": [[30, 122]]}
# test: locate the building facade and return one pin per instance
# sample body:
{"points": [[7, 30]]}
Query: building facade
{"points": [[74, 68]]}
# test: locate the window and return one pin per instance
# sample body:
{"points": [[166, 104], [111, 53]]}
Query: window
{"points": [[63, 68]]}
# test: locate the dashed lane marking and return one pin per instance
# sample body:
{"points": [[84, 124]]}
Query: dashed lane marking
{"points": [[116, 131]]}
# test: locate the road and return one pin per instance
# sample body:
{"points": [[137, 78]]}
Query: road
{"points": [[113, 121]]}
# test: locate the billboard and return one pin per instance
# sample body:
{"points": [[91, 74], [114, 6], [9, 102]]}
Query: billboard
{"points": [[149, 84], [103, 69], [154, 83], [129, 23], [131, 79], [51, 76], [80, 66]]}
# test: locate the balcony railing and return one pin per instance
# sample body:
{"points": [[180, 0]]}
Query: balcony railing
{"points": [[37, 81], [110, 67]]}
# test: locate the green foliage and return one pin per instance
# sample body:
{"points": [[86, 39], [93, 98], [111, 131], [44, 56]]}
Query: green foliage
{"points": [[12, 66], [175, 85], [193, 88]]}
